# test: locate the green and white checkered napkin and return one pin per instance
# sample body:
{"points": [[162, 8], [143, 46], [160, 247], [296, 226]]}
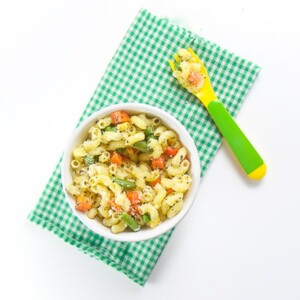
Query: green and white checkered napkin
{"points": [[139, 72]]}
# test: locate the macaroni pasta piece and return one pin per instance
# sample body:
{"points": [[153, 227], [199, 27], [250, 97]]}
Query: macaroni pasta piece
{"points": [[160, 195], [122, 201], [156, 147], [102, 123], [165, 207], [165, 136], [175, 209], [114, 145], [143, 157], [180, 170], [79, 153], [155, 122], [109, 136], [146, 120], [123, 126], [104, 211], [113, 220], [73, 189], [140, 182], [139, 122], [159, 130], [97, 151], [90, 145], [75, 164], [179, 157], [152, 211], [119, 227], [95, 133], [137, 137]]}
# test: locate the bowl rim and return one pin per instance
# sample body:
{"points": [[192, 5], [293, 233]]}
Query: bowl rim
{"points": [[170, 122]]}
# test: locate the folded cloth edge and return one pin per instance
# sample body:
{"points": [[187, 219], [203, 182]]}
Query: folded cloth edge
{"points": [[91, 251]]}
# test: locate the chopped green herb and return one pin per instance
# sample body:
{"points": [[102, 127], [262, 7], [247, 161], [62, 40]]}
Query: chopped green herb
{"points": [[142, 146], [151, 136], [148, 131], [110, 128], [126, 184], [121, 150], [89, 160]]}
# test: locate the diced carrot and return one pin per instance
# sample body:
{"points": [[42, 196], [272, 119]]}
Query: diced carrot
{"points": [[171, 151], [134, 199], [116, 158], [165, 157], [134, 210], [170, 191], [115, 206], [125, 159], [133, 196], [119, 116], [83, 203], [156, 181], [194, 78], [158, 163]]}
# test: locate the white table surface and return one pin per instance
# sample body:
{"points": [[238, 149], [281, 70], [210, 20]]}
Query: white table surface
{"points": [[240, 240]]}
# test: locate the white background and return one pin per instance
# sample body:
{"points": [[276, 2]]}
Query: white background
{"points": [[240, 240]]}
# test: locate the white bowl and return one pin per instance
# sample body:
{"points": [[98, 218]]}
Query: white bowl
{"points": [[80, 134]]}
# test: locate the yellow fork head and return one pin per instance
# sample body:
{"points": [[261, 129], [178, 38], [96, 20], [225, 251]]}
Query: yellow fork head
{"points": [[206, 93]]}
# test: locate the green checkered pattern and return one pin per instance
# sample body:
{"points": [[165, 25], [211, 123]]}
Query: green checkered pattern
{"points": [[139, 72]]}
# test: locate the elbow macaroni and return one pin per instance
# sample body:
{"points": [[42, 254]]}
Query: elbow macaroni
{"points": [[109, 136], [156, 147], [137, 137], [139, 122], [160, 195], [166, 136], [102, 123], [153, 213], [178, 158], [180, 170]]}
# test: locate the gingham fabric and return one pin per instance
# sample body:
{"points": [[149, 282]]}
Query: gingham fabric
{"points": [[139, 72]]}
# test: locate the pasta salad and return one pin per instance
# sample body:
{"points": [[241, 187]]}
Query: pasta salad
{"points": [[131, 171], [188, 70]]}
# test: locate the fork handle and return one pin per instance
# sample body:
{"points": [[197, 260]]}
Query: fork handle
{"points": [[243, 150]]}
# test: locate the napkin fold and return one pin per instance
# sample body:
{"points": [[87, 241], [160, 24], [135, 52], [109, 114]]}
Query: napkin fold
{"points": [[139, 72]]}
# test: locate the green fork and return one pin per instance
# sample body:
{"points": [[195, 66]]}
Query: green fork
{"points": [[248, 157]]}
